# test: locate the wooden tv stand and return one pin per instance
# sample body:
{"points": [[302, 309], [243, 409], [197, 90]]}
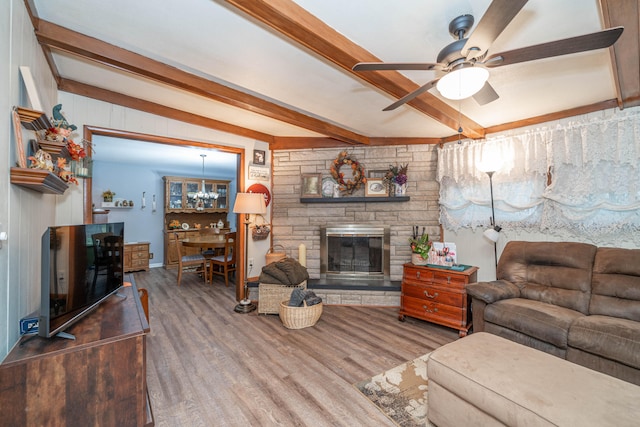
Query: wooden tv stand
{"points": [[99, 378]]}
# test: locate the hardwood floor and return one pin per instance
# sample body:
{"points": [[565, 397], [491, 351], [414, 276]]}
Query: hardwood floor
{"points": [[209, 366]]}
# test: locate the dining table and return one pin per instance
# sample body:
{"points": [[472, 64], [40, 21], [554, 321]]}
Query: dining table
{"points": [[212, 241], [209, 241]]}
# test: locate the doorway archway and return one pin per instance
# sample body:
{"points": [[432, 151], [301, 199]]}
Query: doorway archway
{"points": [[90, 132]]}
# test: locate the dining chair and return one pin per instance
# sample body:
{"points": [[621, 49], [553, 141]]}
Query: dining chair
{"points": [[187, 262], [226, 262], [101, 256]]}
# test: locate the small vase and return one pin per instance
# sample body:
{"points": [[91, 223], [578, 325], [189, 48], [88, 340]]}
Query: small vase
{"points": [[400, 189], [416, 259]]}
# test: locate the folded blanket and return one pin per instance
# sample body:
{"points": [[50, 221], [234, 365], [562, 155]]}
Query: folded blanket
{"points": [[284, 272]]}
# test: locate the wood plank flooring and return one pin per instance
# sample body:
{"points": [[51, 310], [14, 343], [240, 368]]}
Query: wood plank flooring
{"points": [[209, 366]]}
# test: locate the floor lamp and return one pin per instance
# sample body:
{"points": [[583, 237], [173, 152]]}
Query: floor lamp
{"points": [[493, 233], [247, 204]]}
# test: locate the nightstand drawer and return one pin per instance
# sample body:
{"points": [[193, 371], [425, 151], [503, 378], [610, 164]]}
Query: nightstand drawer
{"points": [[417, 275], [140, 255], [447, 278], [429, 293], [432, 311]]}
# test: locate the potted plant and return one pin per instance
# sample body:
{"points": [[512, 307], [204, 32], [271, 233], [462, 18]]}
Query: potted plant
{"points": [[420, 247], [107, 195]]}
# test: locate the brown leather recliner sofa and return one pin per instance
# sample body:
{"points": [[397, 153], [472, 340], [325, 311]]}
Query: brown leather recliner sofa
{"points": [[573, 300]]}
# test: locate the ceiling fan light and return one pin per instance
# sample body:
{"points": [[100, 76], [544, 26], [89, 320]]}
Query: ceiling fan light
{"points": [[463, 82]]}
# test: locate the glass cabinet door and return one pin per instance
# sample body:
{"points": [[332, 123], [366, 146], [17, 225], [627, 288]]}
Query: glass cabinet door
{"points": [[209, 200], [221, 189], [192, 188], [175, 195]]}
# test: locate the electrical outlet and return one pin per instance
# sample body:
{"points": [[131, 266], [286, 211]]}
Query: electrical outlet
{"points": [[62, 275], [150, 255], [250, 262]]}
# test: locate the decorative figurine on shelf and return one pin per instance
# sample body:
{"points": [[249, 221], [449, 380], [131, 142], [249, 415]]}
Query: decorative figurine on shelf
{"points": [[107, 196], [220, 224], [41, 160]]}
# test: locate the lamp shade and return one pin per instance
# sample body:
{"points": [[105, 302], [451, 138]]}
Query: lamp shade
{"points": [[249, 203], [463, 82], [492, 234]]}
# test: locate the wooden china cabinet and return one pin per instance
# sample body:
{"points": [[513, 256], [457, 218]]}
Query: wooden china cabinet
{"points": [[181, 207]]}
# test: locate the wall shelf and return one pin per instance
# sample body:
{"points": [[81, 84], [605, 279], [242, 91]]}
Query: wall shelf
{"points": [[354, 199], [39, 180], [32, 119]]}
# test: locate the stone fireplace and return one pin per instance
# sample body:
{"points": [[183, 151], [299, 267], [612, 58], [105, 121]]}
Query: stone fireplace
{"points": [[354, 252]]}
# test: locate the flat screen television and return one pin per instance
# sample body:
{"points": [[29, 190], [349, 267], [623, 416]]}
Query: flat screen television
{"points": [[82, 265]]}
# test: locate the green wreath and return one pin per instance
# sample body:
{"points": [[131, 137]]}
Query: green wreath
{"points": [[357, 169]]}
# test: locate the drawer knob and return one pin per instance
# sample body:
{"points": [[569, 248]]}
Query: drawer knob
{"points": [[448, 280], [426, 293], [418, 274], [428, 310]]}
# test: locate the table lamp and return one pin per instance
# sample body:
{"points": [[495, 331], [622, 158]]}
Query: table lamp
{"points": [[247, 204]]}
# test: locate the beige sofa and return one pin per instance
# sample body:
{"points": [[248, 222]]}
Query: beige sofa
{"points": [[573, 300]]}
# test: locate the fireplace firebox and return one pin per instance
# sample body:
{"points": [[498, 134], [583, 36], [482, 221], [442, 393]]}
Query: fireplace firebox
{"points": [[354, 251]]}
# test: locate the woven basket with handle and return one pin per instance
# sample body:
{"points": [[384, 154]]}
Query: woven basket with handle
{"points": [[275, 253], [299, 317]]}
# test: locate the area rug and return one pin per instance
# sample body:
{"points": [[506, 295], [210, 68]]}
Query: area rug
{"points": [[400, 392]]}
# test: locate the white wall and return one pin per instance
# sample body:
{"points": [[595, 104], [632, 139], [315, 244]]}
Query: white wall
{"points": [[24, 214]]}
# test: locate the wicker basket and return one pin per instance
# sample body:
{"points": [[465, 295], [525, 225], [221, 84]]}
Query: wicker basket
{"points": [[270, 296], [299, 317], [260, 231], [273, 255]]}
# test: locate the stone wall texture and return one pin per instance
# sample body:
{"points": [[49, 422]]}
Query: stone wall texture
{"points": [[295, 223]]}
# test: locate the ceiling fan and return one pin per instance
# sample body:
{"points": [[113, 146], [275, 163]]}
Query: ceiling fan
{"points": [[465, 62]]}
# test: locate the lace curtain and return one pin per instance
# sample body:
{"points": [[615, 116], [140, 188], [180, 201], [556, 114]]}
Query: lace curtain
{"points": [[594, 164]]}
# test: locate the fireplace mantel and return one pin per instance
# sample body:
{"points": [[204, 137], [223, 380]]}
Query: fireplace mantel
{"points": [[354, 199]]}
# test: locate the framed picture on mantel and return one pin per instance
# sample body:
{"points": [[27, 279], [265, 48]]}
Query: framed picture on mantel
{"points": [[375, 188], [311, 185]]}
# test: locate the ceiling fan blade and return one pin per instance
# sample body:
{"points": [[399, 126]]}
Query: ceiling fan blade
{"points": [[486, 95], [493, 22], [383, 66], [598, 40], [408, 97]]}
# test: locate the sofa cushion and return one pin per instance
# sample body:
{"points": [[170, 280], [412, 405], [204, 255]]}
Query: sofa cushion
{"points": [[609, 337], [616, 283], [546, 322], [558, 273]]}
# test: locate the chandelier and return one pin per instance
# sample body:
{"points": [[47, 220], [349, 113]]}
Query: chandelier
{"points": [[202, 195]]}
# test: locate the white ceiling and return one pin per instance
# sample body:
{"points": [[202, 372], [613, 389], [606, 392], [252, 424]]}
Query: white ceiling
{"points": [[217, 41]]}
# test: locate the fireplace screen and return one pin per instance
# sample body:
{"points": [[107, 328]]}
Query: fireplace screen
{"points": [[354, 251]]}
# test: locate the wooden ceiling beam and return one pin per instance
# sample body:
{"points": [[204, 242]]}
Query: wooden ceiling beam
{"points": [[294, 22], [57, 37], [105, 95], [294, 143], [625, 53]]}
